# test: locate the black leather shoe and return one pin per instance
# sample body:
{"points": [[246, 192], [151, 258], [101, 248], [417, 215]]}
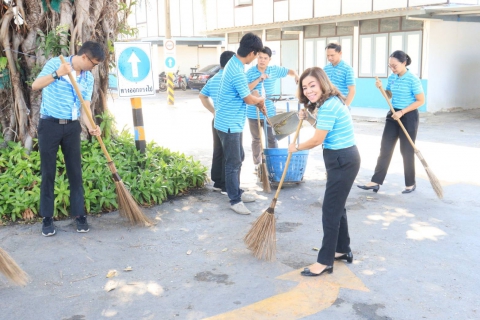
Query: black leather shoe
{"points": [[307, 273], [374, 188], [410, 190], [346, 256]]}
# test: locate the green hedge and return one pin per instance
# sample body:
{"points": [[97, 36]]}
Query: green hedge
{"points": [[151, 177]]}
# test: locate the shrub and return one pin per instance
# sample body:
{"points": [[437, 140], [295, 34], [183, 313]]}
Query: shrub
{"points": [[151, 177]]}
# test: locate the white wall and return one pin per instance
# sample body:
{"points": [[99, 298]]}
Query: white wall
{"points": [[280, 11], [243, 16], [453, 75], [262, 11], [199, 21], [161, 17], [175, 18], [186, 18], [212, 16], [188, 57], [301, 11], [152, 19], [354, 6], [389, 4], [225, 14], [324, 8], [414, 3]]}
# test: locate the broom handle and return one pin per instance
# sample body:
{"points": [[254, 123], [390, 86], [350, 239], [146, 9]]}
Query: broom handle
{"points": [[288, 161], [86, 110], [398, 120], [260, 131]]}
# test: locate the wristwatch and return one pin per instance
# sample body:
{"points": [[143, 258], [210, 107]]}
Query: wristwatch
{"points": [[55, 75]]}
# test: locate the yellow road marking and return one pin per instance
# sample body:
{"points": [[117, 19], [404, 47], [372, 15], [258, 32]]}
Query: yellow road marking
{"points": [[310, 296]]}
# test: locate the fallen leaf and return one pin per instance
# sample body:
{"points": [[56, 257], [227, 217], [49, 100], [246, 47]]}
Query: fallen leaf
{"points": [[370, 198], [112, 273], [189, 251], [315, 249], [184, 229], [225, 249], [128, 269], [110, 286]]}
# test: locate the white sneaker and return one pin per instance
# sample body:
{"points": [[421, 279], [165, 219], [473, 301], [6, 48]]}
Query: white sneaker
{"points": [[224, 192], [248, 197], [219, 189], [240, 208]]}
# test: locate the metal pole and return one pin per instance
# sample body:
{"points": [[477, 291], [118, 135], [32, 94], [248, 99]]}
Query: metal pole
{"points": [[168, 35], [138, 124]]}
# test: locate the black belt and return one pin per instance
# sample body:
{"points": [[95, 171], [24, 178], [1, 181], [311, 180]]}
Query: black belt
{"points": [[59, 121]]}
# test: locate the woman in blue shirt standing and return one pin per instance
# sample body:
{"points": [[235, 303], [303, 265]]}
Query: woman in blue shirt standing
{"points": [[334, 128], [406, 92]]}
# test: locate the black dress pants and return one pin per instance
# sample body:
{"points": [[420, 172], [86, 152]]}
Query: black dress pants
{"points": [[391, 133], [217, 173], [342, 168], [51, 135]]}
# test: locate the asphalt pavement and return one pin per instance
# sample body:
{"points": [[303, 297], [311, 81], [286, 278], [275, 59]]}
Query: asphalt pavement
{"points": [[415, 256]]}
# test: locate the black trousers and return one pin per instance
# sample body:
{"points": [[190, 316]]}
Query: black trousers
{"points": [[391, 133], [342, 168], [217, 172], [51, 135]]}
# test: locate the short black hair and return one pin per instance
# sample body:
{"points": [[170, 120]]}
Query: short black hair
{"points": [[267, 50], [225, 57], [336, 46], [402, 57], [93, 50], [249, 42]]}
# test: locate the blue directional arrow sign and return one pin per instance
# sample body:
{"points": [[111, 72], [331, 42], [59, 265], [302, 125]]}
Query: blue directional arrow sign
{"points": [[134, 64], [170, 62], [135, 76]]}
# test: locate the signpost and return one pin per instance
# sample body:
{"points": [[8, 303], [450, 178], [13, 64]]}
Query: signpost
{"points": [[135, 80], [169, 50]]}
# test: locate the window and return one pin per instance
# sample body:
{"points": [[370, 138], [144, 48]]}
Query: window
{"points": [[344, 31], [311, 31], [289, 36], [411, 24], [380, 37], [239, 3], [274, 34], [327, 30], [234, 37], [391, 24], [369, 26]]}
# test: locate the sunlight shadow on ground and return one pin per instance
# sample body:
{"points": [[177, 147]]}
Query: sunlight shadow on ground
{"points": [[389, 216], [128, 291], [424, 231]]}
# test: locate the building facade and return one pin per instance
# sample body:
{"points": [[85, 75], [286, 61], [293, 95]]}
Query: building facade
{"points": [[441, 37]]}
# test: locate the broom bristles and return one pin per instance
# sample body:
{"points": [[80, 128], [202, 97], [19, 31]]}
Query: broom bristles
{"points": [[261, 239], [437, 187], [264, 178], [11, 270], [129, 208]]}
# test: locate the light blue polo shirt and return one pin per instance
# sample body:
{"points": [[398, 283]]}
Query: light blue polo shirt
{"points": [[404, 89], [231, 110], [59, 97], [341, 76], [210, 89], [274, 73], [334, 117]]}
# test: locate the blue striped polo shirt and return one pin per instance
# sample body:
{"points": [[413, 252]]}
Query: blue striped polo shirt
{"points": [[210, 89], [231, 110], [404, 89], [274, 73], [59, 97], [341, 76], [334, 117]]}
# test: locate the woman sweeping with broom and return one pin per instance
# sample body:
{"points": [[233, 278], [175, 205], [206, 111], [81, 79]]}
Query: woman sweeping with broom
{"points": [[334, 128], [406, 92]]}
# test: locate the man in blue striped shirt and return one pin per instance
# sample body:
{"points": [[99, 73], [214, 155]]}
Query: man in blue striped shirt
{"points": [[340, 73], [260, 77], [230, 115], [59, 125], [210, 90]]}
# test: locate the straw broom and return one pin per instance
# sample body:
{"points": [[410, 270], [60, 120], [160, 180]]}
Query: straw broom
{"points": [[11, 270], [264, 173], [128, 207], [261, 239], [437, 187]]}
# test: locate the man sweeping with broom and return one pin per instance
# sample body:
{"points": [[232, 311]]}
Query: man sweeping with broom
{"points": [[230, 116], [59, 125]]}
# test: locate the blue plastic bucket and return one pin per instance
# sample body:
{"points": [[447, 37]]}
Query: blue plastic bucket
{"points": [[276, 159]]}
